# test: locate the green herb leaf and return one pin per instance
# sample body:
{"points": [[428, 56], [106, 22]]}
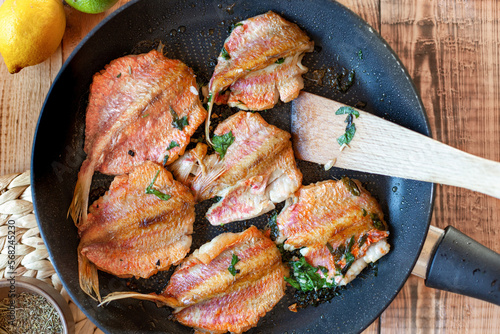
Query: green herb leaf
{"points": [[119, 75], [165, 159], [231, 268], [377, 222], [360, 54], [145, 115], [346, 111], [351, 186], [280, 61], [178, 123], [151, 191], [273, 226], [173, 144], [364, 212], [305, 277], [234, 26], [222, 143], [346, 138], [224, 54]]}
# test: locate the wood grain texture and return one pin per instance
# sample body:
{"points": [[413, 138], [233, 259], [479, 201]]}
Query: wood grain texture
{"points": [[383, 147], [451, 49]]}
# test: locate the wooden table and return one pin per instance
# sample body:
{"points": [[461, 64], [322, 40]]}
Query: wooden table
{"points": [[451, 48]]}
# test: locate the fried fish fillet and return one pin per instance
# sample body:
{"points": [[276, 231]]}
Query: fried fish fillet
{"points": [[259, 63], [141, 107], [258, 170], [226, 285], [337, 225], [143, 224]]}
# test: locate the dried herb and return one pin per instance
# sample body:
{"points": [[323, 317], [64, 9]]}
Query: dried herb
{"points": [[151, 191], [178, 123], [231, 267], [33, 315]]}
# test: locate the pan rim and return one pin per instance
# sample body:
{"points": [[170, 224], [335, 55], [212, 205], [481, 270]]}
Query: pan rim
{"points": [[380, 39]]}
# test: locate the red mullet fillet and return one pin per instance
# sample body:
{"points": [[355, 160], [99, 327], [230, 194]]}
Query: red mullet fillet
{"points": [[135, 107]]}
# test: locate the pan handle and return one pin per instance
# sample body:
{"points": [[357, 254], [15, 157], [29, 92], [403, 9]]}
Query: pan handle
{"points": [[459, 264]]}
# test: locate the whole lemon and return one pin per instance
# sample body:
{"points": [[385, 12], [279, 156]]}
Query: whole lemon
{"points": [[30, 31], [91, 6]]}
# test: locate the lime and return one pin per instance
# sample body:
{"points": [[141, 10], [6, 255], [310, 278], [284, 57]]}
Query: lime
{"points": [[91, 6]]}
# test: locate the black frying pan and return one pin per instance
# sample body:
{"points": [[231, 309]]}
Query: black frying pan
{"points": [[194, 31]]}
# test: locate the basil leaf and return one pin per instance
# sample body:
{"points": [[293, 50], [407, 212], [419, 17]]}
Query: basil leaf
{"points": [[347, 110], [178, 123], [173, 144], [231, 267], [280, 61], [222, 143], [234, 26], [151, 191]]}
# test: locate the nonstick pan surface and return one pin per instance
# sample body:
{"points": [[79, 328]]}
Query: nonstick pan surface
{"points": [[194, 31]]}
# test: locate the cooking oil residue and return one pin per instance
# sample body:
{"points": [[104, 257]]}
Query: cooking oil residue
{"points": [[181, 29], [340, 80]]}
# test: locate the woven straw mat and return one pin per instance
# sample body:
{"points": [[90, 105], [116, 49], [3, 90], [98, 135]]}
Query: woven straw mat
{"points": [[32, 258]]}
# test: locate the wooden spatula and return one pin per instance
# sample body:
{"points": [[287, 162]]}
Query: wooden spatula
{"points": [[382, 147]]}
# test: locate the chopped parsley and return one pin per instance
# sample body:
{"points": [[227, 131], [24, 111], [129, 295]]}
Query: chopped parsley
{"points": [[231, 267], [173, 144], [224, 54], [280, 61], [305, 277], [273, 226], [178, 123], [222, 143], [234, 26], [119, 75], [151, 191]]}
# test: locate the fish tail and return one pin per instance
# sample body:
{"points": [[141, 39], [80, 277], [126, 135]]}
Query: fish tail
{"points": [[87, 272], [158, 299], [79, 204]]}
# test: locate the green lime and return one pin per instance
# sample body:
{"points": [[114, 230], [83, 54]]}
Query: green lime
{"points": [[91, 6]]}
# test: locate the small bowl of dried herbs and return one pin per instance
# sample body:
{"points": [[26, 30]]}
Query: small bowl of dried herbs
{"points": [[28, 305]]}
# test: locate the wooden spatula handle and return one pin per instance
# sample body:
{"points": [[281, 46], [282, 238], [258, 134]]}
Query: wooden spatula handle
{"points": [[382, 147]]}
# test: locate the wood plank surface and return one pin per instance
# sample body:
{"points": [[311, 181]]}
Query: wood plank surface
{"points": [[451, 49]]}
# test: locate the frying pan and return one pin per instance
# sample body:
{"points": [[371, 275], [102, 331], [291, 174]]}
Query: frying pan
{"points": [[194, 31]]}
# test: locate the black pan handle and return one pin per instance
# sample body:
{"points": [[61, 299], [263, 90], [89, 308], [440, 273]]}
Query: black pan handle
{"points": [[462, 265]]}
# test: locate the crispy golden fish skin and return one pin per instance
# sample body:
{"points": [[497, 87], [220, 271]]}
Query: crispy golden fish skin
{"points": [[205, 294], [337, 225], [260, 62], [130, 232], [258, 170], [139, 106]]}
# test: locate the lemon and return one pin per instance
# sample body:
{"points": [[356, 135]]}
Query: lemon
{"points": [[30, 31], [91, 6]]}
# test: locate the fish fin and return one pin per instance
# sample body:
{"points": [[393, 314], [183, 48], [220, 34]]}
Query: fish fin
{"points": [[159, 299], [79, 204], [87, 272]]}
